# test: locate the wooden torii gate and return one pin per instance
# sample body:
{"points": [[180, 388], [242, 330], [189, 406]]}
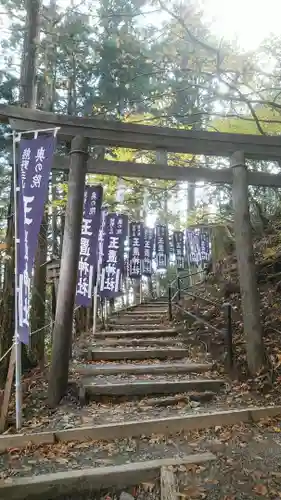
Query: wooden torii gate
{"points": [[85, 132]]}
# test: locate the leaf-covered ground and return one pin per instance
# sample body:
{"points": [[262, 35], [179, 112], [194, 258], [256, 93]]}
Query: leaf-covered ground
{"points": [[37, 416], [224, 286], [247, 465], [248, 458]]}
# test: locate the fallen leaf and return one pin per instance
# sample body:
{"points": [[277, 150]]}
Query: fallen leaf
{"points": [[276, 474], [194, 492], [148, 487], [182, 468], [261, 489], [62, 461]]}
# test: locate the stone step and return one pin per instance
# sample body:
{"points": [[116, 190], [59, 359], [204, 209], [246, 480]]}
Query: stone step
{"points": [[135, 333], [134, 354], [141, 369], [89, 390], [144, 342]]}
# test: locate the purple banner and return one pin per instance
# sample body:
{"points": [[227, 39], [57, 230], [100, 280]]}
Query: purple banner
{"points": [[193, 246], [101, 234], [205, 246], [89, 245], [148, 251], [178, 240], [136, 249], [116, 229], [34, 167], [161, 246]]}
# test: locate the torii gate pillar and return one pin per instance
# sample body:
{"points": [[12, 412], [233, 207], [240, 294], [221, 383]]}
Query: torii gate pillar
{"points": [[250, 299], [62, 334]]}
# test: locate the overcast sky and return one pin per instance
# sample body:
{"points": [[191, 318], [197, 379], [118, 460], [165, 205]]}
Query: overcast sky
{"points": [[250, 21]]}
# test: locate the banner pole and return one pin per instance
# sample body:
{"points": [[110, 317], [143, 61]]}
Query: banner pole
{"points": [[95, 305], [128, 266], [140, 291], [16, 138], [100, 254]]}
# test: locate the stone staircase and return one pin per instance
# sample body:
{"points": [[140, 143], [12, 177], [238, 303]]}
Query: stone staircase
{"points": [[140, 355]]}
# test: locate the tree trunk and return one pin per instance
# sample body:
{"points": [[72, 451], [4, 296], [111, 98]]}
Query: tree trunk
{"points": [[7, 300], [55, 245], [38, 307], [246, 265], [27, 99], [62, 334], [39, 295], [29, 56]]}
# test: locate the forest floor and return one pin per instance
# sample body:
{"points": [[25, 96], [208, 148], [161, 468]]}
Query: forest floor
{"points": [[247, 465], [38, 416], [224, 287]]}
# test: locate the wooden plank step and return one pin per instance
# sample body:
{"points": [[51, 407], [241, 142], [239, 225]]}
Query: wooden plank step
{"points": [[135, 333], [141, 313], [50, 486], [161, 300], [146, 387], [141, 342], [133, 354], [132, 326], [156, 306], [127, 320], [141, 369], [138, 428]]}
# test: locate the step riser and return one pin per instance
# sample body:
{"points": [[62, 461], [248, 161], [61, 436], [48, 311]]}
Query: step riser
{"points": [[137, 355], [142, 319], [135, 321], [140, 342], [146, 389], [161, 307], [144, 314], [140, 312], [132, 327], [156, 369], [93, 480], [136, 334]]}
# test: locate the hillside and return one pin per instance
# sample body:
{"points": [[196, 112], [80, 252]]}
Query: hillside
{"points": [[223, 286]]}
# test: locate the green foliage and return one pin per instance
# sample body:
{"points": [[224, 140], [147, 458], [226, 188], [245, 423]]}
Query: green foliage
{"points": [[268, 119], [109, 61]]}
